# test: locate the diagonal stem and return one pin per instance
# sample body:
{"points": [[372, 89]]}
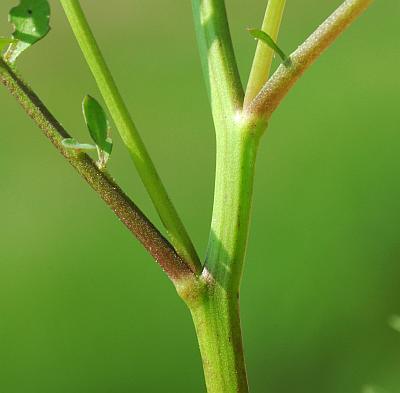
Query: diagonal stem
{"points": [[284, 78], [123, 207], [129, 134]]}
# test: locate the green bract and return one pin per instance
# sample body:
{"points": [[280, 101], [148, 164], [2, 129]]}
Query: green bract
{"points": [[264, 37], [31, 20]]}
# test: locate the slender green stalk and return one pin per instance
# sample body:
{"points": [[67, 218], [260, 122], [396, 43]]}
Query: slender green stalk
{"points": [[124, 208], [130, 136], [285, 78], [217, 57], [262, 62]]}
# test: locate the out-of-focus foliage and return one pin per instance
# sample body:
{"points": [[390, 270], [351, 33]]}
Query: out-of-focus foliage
{"points": [[31, 23]]}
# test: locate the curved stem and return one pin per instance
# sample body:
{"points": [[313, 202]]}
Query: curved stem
{"points": [[264, 54], [284, 78], [124, 208], [129, 134]]}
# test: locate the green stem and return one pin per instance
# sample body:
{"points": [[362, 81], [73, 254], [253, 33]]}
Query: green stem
{"points": [[235, 167], [129, 134], [216, 316], [219, 335], [262, 62], [217, 57]]}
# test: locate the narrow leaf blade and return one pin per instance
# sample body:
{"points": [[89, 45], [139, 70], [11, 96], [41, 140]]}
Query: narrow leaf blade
{"points": [[266, 38], [31, 20]]}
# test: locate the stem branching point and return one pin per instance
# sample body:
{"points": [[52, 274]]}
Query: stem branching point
{"points": [[124, 208], [273, 92]]}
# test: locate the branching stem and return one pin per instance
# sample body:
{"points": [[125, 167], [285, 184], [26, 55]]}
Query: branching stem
{"points": [[238, 133], [213, 295], [124, 208], [129, 133], [284, 78]]}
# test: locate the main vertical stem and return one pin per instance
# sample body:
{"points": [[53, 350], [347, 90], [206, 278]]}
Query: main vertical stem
{"points": [[217, 324], [216, 317]]}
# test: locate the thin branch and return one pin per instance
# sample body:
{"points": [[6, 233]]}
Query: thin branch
{"points": [[217, 56], [262, 62], [285, 77], [169, 216], [124, 208]]}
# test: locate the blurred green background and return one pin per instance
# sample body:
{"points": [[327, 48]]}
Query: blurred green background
{"points": [[84, 309]]}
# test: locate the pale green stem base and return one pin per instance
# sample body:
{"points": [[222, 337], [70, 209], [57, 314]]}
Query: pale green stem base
{"points": [[219, 335]]}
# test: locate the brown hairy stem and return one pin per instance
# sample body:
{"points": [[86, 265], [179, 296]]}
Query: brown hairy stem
{"points": [[123, 207]]}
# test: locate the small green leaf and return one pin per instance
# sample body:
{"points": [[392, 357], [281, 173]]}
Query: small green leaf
{"points": [[31, 20], [97, 123], [71, 143], [264, 37]]}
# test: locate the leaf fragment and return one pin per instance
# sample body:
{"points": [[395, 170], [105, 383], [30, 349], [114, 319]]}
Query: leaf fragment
{"points": [[31, 21], [267, 39]]}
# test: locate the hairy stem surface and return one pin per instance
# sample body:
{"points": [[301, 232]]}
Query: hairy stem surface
{"points": [[104, 185], [130, 135]]}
